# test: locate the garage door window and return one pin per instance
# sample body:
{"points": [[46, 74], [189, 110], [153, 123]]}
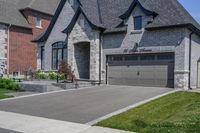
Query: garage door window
{"points": [[165, 57], [147, 57], [130, 58], [117, 58]]}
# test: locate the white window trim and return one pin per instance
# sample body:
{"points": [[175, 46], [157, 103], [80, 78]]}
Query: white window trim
{"points": [[40, 26]]}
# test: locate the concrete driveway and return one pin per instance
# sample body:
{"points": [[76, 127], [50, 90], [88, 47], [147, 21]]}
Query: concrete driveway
{"points": [[81, 106]]}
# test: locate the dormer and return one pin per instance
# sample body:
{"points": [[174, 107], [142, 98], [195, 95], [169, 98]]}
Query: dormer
{"points": [[137, 17]]}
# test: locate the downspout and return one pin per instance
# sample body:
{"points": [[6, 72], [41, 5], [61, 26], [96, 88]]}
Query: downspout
{"points": [[8, 51], [190, 60], [100, 42], [100, 59]]}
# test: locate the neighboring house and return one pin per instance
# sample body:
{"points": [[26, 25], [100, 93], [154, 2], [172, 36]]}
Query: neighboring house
{"points": [[124, 42], [20, 22]]}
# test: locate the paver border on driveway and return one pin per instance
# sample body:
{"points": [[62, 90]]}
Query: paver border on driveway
{"points": [[129, 107]]}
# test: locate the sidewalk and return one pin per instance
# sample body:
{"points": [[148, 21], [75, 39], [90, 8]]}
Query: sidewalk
{"points": [[32, 124]]}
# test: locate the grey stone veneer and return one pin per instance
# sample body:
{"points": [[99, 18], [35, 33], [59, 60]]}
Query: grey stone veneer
{"points": [[80, 35], [3, 45]]}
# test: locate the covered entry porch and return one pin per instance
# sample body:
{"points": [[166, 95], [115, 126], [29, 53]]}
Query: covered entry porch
{"points": [[85, 61]]}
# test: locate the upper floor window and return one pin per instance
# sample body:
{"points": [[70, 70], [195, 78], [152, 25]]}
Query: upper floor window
{"points": [[71, 2], [42, 57], [38, 22], [138, 23]]}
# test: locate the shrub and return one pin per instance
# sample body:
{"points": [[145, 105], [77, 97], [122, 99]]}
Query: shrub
{"points": [[61, 76], [41, 75], [9, 85], [66, 70], [53, 75]]}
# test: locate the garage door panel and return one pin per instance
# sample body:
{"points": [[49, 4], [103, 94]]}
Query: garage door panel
{"points": [[130, 72], [161, 75], [162, 82], [130, 82], [115, 82], [147, 82], [161, 67], [146, 75]]}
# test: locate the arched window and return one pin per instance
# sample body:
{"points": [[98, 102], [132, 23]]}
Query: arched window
{"points": [[59, 53]]}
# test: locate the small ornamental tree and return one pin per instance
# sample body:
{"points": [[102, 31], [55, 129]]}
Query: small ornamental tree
{"points": [[66, 70]]}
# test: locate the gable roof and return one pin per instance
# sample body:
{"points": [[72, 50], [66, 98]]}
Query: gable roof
{"points": [[9, 14], [171, 12], [45, 35], [10, 10], [131, 8], [45, 6], [109, 14], [74, 19]]}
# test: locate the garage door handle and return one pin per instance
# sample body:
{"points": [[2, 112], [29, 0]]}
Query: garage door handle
{"points": [[138, 73]]}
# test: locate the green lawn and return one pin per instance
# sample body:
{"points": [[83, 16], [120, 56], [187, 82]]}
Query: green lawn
{"points": [[3, 93], [176, 113]]}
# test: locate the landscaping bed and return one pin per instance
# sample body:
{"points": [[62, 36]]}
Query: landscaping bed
{"points": [[176, 113]]}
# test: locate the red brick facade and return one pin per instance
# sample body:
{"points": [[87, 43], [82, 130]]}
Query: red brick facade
{"points": [[22, 52]]}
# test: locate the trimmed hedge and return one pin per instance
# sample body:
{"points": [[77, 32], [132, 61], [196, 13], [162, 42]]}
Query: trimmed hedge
{"points": [[9, 85], [52, 75]]}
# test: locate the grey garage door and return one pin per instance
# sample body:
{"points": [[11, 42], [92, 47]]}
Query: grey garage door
{"points": [[141, 70]]}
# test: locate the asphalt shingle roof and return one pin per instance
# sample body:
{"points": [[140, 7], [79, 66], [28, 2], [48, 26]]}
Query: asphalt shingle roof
{"points": [[170, 12], [10, 10], [106, 14], [9, 14]]}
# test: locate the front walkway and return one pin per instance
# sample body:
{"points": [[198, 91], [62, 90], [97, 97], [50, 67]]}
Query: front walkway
{"points": [[18, 123]]}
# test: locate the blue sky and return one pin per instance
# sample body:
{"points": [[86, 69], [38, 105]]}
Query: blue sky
{"points": [[193, 7]]}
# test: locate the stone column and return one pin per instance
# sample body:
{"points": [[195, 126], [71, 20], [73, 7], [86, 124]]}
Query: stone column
{"points": [[182, 64]]}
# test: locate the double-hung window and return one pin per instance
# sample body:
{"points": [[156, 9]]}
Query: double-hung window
{"points": [[38, 22]]}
